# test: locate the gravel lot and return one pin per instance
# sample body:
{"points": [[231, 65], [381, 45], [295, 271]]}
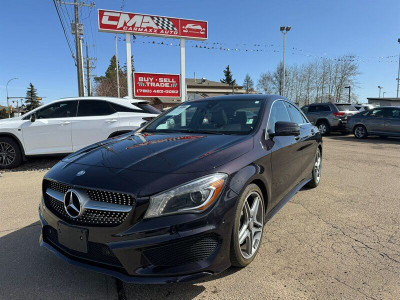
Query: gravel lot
{"points": [[341, 240]]}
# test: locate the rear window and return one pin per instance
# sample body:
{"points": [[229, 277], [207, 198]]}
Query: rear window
{"points": [[346, 107]]}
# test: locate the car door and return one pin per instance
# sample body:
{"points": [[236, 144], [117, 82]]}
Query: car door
{"points": [[392, 121], [306, 144], [284, 157], [374, 121], [51, 131], [96, 121]]}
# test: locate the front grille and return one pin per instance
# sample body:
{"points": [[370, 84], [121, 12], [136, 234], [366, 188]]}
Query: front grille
{"points": [[90, 217], [95, 195], [186, 251], [99, 253]]}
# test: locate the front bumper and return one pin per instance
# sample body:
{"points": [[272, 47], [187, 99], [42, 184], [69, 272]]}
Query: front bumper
{"points": [[167, 249]]}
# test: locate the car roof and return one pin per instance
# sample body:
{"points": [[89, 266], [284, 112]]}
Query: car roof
{"points": [[111, 99], [241, 97]]}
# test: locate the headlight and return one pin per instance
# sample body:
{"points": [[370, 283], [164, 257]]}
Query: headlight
{"points": [[194, 197]]}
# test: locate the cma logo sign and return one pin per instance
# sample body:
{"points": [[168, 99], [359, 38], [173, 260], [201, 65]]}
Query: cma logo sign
{"points": [[126, 20]]}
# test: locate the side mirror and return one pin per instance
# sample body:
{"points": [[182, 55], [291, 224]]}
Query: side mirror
{"points": [[33, 118], [146, 120], [286, 129]]}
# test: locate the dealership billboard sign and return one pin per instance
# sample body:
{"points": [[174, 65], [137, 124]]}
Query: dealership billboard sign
{"points": [[156, 85], [149, 25]]}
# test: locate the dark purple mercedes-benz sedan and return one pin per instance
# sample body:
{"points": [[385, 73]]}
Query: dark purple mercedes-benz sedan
{"points": [[186, 195]]}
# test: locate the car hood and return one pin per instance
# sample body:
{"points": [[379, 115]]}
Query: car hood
{"points": [[164, 153], [8, 121]]}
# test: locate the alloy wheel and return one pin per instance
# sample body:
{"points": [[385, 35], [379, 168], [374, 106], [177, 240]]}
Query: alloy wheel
{"points": [[7, 154], [322, 128], [359, 132], [251, 225]]}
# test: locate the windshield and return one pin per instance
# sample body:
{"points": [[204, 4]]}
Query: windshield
{"points": [[346, 107], [214, 117]]}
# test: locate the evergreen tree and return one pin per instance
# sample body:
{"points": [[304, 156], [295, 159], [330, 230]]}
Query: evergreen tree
{"points": [[228, 77], [3, 113], [248, 84], [31, 98]]}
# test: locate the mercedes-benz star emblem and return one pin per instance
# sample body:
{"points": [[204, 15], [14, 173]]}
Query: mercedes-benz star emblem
{"points": [[80, 173], [73, 204]]}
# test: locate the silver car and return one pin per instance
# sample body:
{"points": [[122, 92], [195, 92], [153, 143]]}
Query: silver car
{"points": [[382, 121], [329, 117]]}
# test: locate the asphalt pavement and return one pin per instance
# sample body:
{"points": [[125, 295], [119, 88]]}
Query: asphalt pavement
{"points": [[339, 241]]}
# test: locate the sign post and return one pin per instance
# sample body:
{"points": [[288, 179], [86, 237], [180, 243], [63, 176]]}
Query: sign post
{"points": [[128, 64], [183, 76], [150, 25]]}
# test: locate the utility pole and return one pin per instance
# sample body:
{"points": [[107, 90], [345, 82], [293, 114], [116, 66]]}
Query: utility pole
{"points": [[284, 30], [380, 88], [78, 51], [116, 60], [77, 30]]}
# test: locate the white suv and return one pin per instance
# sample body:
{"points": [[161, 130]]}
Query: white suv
{"points": [[67, 125]]}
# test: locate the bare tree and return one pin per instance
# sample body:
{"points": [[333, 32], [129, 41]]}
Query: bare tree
{"points": [[322, 80], [264, 84]]}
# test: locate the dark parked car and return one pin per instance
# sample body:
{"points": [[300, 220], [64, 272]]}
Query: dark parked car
{"points": [[329, 117], [382, 121], [186, 195]]}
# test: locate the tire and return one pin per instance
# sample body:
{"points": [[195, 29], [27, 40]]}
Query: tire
{"points": [[360, 132], [316, 172], [10, 153], [324, 128], [251, 225]]}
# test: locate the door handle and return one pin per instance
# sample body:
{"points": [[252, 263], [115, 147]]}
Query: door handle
{"points": [[111, 120], [297, 138], [65, 123]]}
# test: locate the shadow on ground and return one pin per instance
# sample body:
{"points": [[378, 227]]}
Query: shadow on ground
{"points": [[185, 291], [37, 164], [369, 140], [29, 271]]}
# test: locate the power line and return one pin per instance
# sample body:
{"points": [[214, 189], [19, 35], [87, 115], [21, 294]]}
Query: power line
{"points": [[63, 28]]}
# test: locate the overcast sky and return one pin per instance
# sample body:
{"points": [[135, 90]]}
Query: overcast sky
{"points": [[34, 48]]}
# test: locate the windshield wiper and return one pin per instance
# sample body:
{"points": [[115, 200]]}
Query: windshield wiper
{"points": [[205, 132]]}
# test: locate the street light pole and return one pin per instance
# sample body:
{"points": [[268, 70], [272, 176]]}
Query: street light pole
{"points": [[398, 73], [349, 87], [284, 30], [8, 103], [380, 87]]}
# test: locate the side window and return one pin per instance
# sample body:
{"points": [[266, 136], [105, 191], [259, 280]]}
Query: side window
{"points": [[65, 109], [88, 108], [324, 108], [305, 109], [312, 108], [295, 115], [392, 112], [377, 113], [278, 113]]}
